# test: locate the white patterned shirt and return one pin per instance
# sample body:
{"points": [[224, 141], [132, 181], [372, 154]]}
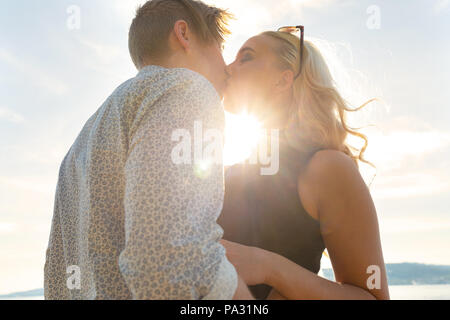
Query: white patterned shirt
{"points": [[131, 221]]}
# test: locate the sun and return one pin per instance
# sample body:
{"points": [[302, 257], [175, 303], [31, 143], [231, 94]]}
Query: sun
{"points": [[242, 133]]}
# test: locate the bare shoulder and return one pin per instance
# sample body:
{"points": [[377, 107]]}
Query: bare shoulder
{"points": [[329, 175], [329, 164]]}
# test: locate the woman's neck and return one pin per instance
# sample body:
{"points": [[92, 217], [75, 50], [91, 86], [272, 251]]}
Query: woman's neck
{"points": [[278, 117], [276, 120]]}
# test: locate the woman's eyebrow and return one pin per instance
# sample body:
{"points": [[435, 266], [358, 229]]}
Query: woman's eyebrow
{"points": [[246, 49]]}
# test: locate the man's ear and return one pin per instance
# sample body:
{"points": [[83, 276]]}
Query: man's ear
{"points": [[285, 81], [182, 34]]}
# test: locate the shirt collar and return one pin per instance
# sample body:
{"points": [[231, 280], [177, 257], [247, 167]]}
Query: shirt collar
{"points": [[150, 69]]}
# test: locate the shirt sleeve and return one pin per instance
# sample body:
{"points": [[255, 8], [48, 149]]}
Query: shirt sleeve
{"points": [[172, 248]]}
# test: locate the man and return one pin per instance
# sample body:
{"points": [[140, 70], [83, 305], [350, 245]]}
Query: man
{"points": [[128, 222]]}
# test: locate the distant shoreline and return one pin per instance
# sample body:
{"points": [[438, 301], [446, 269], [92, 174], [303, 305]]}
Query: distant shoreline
{"points": [[410, 274], [397, 292], [399, 274]]}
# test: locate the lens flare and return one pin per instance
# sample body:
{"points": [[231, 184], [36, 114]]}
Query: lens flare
{"points": [[242, 134]]}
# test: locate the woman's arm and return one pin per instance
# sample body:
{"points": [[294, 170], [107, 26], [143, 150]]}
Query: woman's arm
{"points": [[242, 291], [275, 295], [332, 189], [293, 282]]}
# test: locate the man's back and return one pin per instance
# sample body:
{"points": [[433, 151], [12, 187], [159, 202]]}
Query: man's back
{"points": [[137, 225]]}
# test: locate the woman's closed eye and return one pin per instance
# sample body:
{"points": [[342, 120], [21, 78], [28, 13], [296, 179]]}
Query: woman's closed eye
{"points": [[245, 58]]}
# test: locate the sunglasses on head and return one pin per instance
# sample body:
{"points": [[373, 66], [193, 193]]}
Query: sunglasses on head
{"points": [[292, 30]]}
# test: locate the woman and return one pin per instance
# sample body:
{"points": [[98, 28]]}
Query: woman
{"points": [[277, 227]]}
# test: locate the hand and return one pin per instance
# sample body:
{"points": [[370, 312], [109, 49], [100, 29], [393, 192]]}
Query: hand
{"points": [[250, 262]]}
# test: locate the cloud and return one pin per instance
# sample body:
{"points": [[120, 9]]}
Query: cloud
{"points": [[32, 154], [107, 53], [252, 16], [11, 116], [409, 155], [126, 10], [414, 184], [440, 6], [391, 149], [7, 228], [41, 185], [38, 77], [427, 222], [394, 140]]}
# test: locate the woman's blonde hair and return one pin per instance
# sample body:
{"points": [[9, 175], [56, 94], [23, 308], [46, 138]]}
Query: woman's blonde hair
{"points": [[318, 114]]}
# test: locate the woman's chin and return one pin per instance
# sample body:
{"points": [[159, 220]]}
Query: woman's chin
{"points": [[231, 107]]}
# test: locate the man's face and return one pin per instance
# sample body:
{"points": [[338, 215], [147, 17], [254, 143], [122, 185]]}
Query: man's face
{"points": [[209, 62]]}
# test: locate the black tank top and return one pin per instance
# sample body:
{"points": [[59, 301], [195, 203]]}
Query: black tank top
{"points": [[266, 212]]}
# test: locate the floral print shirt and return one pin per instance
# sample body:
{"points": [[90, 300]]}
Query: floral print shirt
{"points": [[132, 222]]}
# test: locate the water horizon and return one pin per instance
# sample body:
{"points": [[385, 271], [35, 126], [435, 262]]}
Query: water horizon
{"points": [[397, 292]]}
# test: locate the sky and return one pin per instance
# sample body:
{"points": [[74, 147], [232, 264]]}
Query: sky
{"points": [[55, 73]]}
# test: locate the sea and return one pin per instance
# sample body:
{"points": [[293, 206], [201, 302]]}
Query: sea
{"points": [[420, 292], [410, 292]]}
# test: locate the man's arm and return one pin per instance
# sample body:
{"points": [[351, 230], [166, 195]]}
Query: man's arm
{"points": [[172, 249]]}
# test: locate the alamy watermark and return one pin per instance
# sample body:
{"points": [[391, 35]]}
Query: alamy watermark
{"points": [[74, 280], [374, 281], [74, 19], [374, 20], [206, 146]]}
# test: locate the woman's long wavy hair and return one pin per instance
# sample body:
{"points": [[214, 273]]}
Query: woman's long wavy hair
{"points": [[318, 118]]}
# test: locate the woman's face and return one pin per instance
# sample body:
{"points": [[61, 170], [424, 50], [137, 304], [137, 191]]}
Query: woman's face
{"points": [[252, 77]]}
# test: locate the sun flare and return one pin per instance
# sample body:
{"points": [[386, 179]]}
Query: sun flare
{"points": [[242, 133]]}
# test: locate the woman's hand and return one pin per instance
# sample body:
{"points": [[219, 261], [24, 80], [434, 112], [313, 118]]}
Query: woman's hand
{"points": [[250, 262]]}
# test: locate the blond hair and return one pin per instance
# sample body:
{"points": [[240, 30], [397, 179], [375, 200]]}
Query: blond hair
{"points": [[150, 29], [318, 113]]}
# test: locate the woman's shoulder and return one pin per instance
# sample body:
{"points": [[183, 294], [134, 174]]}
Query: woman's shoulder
{"points": [[328, 163], [328, 172]]}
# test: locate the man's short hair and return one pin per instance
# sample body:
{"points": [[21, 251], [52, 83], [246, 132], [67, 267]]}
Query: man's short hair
{"points": [[150, 29]]}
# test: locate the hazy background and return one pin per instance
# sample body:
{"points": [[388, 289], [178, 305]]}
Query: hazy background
{"points": [[55, 73]]}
